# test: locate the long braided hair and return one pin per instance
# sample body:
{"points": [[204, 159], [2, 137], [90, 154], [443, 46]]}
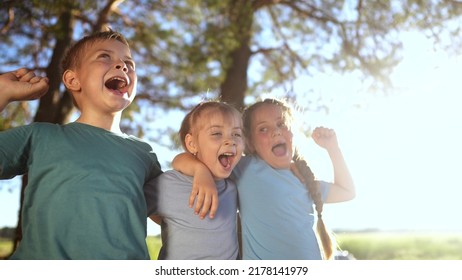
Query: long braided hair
{"points": [[326, 240]]}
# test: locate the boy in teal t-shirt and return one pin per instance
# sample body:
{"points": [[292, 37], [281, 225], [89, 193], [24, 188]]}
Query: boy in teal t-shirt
{"points": [[84, 198]]}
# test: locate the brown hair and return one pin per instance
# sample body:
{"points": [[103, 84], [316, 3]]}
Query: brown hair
{"points": [[327, 242], [74, 54], [189, 123]]}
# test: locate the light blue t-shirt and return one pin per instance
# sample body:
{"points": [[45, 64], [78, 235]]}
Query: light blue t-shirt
{"points": [[276, 211], [184, 235]]}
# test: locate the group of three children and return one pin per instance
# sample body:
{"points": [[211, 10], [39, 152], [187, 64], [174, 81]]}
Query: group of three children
{"points": [[91, 187]]}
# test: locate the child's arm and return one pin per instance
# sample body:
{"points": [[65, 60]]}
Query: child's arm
{"points": [[203, 187], [21, 85], [343, 188], [157, 219]]}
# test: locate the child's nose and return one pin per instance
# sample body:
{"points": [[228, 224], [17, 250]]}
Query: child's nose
{"points": [[276, 131], [230, 142], [122, 65]]}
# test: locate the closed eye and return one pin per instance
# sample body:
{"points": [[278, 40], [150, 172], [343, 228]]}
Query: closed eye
{"points": [[104, 55], [130, 64]]}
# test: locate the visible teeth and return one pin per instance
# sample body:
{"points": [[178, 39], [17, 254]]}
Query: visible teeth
{"points": [[116, 83]]}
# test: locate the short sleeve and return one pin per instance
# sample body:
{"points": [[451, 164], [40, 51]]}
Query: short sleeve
{"points": [[325, 188]]}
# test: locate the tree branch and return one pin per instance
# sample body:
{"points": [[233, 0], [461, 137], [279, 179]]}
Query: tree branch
{"points": [[258, 4], [265, 50], [9, 20], [313, 12], [103, 15]]}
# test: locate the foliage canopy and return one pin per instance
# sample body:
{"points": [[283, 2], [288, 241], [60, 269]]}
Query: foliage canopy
{"points": [[229, 49]]}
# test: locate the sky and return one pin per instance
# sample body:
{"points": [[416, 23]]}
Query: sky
{"points": [[402, 149]]}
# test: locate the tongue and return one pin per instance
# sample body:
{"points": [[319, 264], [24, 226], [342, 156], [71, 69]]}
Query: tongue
{"points": [[279, 150], [116, 84], [224, 161]]}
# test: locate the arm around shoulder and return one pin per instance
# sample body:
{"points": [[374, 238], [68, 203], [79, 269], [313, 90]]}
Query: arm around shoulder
{"points": [[204, 190]]}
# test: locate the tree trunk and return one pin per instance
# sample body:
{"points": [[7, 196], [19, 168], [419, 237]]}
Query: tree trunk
{"points": [[234, 87], [54, 106]]}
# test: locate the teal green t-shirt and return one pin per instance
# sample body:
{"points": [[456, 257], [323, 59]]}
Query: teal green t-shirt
{"points": [[84, 198]]}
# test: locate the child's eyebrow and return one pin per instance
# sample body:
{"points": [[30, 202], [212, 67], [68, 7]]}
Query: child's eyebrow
{"points": [[213, 127], [221, 126], [261, 123]]}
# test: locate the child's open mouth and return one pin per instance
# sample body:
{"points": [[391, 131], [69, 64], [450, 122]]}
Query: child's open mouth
{"points": [[279, 149], [119, 84], [226, 159]]}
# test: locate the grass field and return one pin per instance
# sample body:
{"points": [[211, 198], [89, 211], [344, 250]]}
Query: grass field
{"points": [[367, 246], [402, 246], [5, 247]]}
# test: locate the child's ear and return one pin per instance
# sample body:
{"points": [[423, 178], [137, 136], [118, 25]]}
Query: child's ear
{"points": [[190, 144], [70, 80]]}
